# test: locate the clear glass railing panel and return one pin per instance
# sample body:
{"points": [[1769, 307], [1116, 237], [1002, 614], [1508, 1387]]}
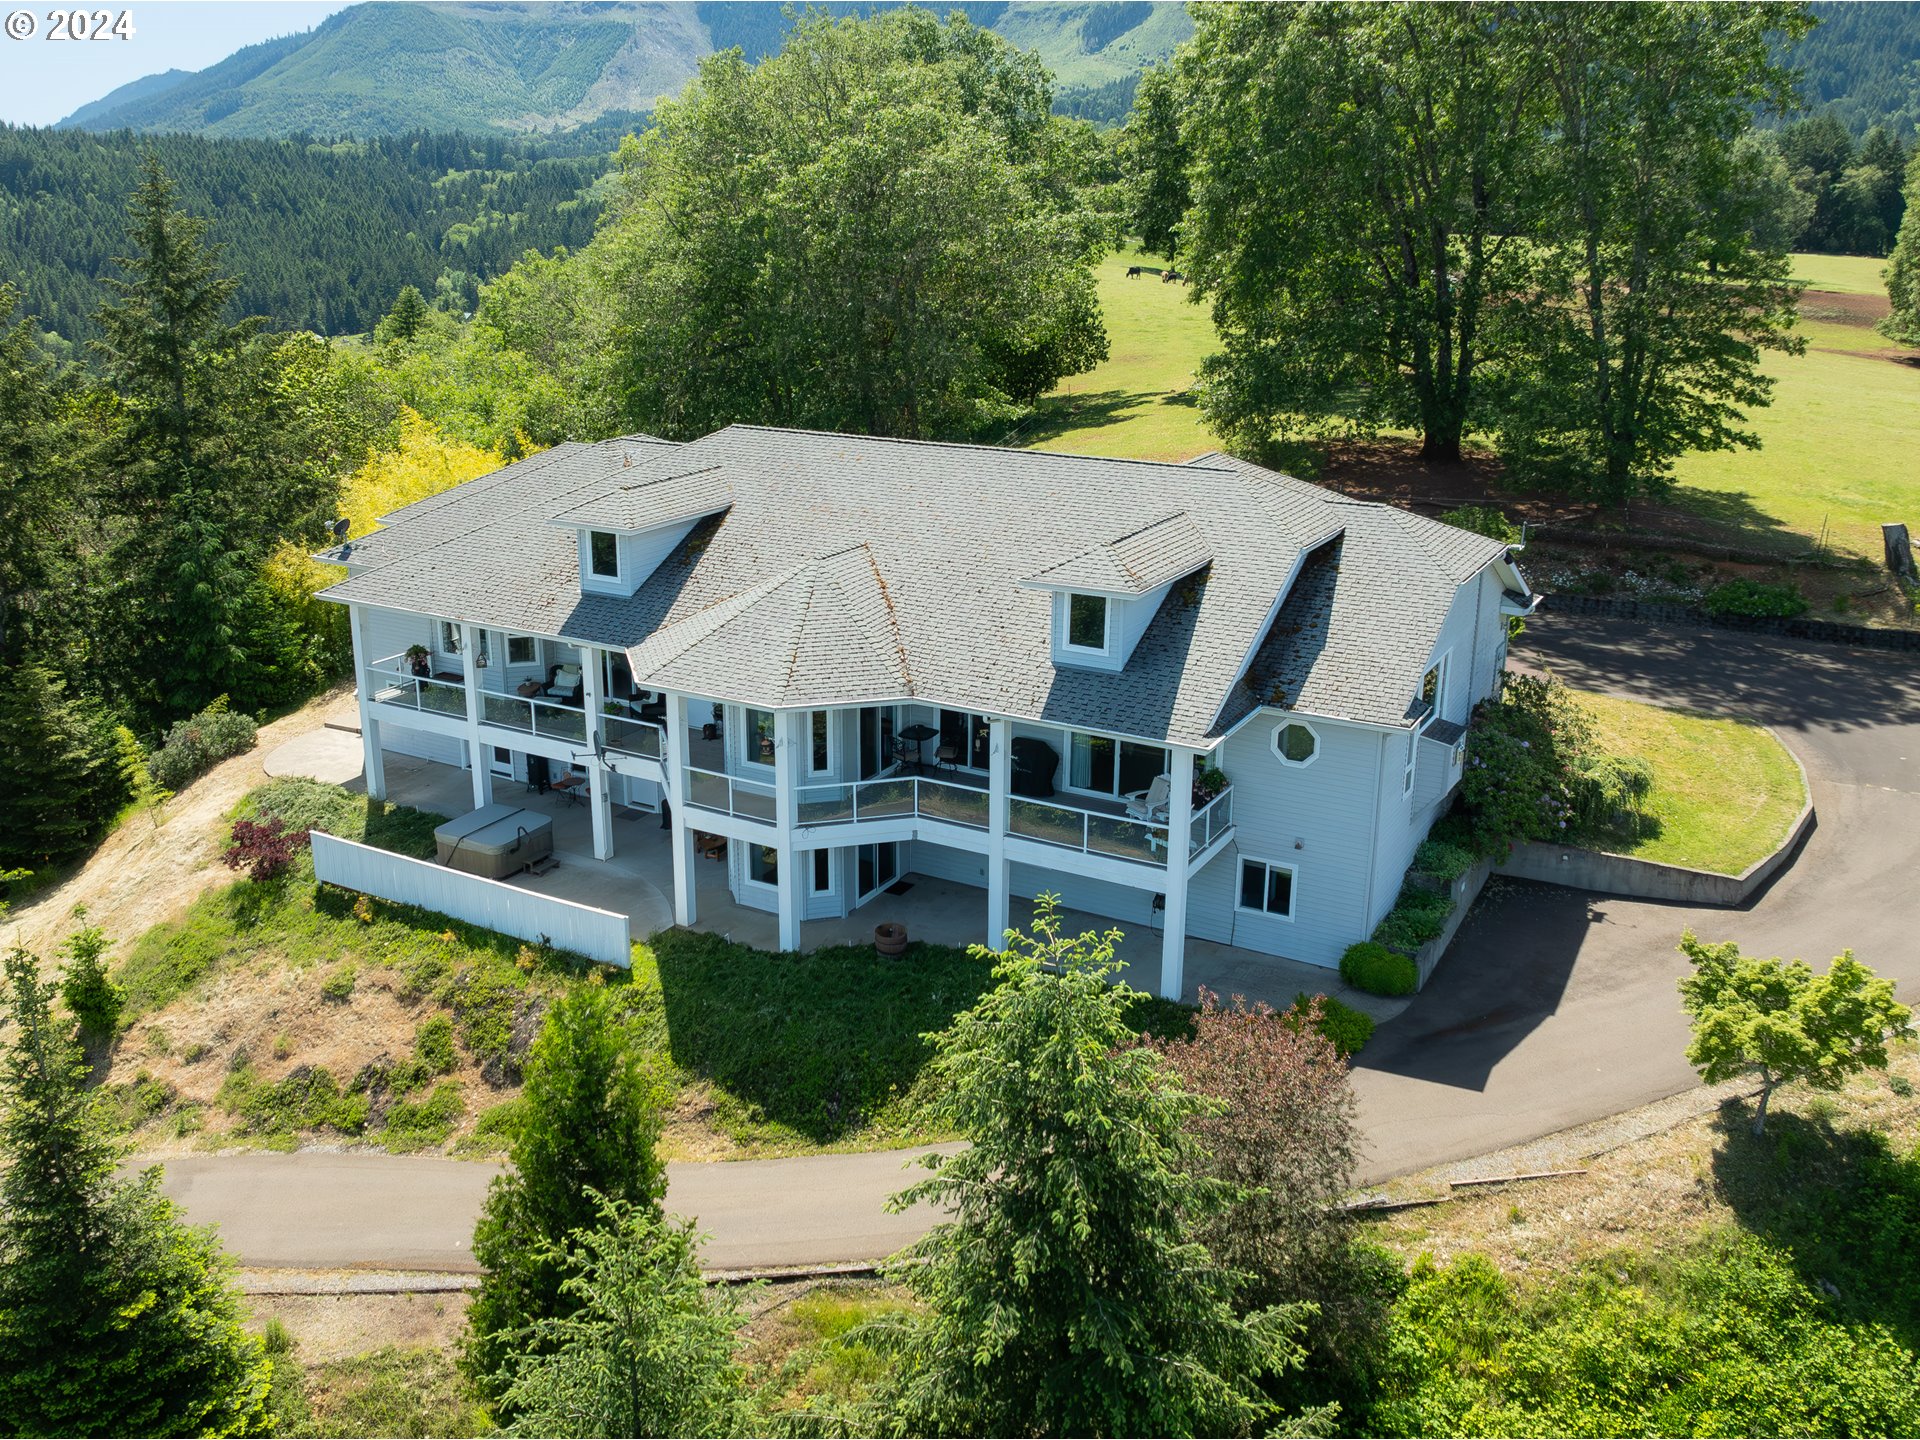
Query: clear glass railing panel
{"points": [[1127, 839], [632, 737], [560, 722], [877, 799], [826, 804], [707, 790], [509, 711], [1052, 824], [955, 804], [753, 802]]}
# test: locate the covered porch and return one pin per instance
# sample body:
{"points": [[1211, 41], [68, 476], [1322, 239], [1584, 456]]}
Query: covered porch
{"points": [[637, 881]]}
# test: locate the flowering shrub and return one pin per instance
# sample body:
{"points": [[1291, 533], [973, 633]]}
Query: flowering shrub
{"points": [[1525, 748]]}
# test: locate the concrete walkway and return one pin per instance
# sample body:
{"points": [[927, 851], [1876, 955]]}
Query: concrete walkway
{"points": [[1554, 1007]]}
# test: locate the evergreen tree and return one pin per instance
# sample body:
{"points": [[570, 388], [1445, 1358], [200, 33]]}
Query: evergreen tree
{"points": [[37, 507], [587, 1132], [407, 318], [115, 1318], [59, 785], [1903, 270], [1069, 1295]]}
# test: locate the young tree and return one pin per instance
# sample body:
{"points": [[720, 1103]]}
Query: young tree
{"points": [[1365, 184], [1157, 156], [649, 1349], [587, 1132], [93, 997], [1903, 270], [1069, 1294], [1653, 303], [407, 318], [115, 1319], [1779, 1022]]}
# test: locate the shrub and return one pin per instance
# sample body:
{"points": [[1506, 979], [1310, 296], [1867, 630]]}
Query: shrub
{"points": [[1524, 749], [300, 803], [1606, 793], [1419, 915], [1443, 862], [1750, 597], [266, 848], [195, 745], [1346, 1028], [1484, 520], [95, 1000], [422, 1124], [338, 986], [309, 1098], [1374, 968], [433, 1045]]}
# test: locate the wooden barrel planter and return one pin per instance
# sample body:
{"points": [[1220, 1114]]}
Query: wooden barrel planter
{"points": [[890, 939]]}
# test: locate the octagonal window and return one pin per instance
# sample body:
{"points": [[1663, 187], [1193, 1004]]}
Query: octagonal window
{"points": [[1295, 743]]}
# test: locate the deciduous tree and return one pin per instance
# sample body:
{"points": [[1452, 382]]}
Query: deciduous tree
{"points": [[1903, 270], [1070, 1294], [1779, 1022]]}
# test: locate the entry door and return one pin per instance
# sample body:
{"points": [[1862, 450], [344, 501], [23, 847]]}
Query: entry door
{"points": [[879, 867], [500, 761], [876, 740]]}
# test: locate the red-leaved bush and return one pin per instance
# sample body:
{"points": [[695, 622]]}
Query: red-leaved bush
{"points": [[266, 848], [1286, 1135]]}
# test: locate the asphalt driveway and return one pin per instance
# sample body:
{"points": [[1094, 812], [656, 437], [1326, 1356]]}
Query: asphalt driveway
{"points": [[1555, 1006]]}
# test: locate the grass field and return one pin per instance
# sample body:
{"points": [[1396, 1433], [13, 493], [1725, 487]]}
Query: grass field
{"points": [[1138, 404], [1837, 445], [1724, 791]]}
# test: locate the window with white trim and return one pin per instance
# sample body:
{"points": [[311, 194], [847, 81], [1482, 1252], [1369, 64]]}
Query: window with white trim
{"points": [[1113, 767], [1433, 691], [1087, 617], [1267, 888], [1406, 778], [449, 637], [1295, 743], [822, 872], [603, 554], [520, 650], [819, 749], [758, 737], [763, 865]]}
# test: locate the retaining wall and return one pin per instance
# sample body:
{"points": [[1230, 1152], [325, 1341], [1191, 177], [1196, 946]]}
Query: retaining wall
{"points": [[597, 934], [1797, 628], [1465, 890]]}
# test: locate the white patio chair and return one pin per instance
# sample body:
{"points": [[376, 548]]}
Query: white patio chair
{"points": [[1150, 803]]}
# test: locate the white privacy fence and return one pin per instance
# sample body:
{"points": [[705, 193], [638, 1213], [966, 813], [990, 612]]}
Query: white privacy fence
{"points": [[491, 904]]}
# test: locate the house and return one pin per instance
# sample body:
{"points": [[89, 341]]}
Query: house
{"points": [[1203, 696]]}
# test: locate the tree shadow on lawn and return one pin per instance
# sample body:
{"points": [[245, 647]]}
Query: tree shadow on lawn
{"points": [[1725, 517], [1840, 1201], [1059, 415]]}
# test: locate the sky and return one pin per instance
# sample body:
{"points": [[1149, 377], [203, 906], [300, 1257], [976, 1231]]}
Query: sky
{"points": [[43, 80]]}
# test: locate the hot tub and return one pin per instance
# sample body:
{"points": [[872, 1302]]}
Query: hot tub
{"points": [[495, 841]]}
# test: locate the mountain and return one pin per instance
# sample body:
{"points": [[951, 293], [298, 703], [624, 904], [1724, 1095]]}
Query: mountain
{"points": [[1862, 63], [383, 69]]}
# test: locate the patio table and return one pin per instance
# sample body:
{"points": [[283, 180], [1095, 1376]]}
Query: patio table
{"points": [[919, 735]]}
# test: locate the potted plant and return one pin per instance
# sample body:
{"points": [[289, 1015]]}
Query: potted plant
{"points": [[417, 659], [1208, 782]]}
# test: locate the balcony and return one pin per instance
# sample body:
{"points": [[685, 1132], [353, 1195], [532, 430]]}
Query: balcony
{"points": [[728, 795], [890, 797], [392, 682], [534, 716], [1210, 822]]}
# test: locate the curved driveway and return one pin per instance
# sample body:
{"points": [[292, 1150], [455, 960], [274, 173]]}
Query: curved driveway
{"points": [[1556, 1006], [1553, 1007]]}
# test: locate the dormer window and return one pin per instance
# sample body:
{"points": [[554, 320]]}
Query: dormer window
{"points": [[1087, 622], [603, 550], [1433, 690]]}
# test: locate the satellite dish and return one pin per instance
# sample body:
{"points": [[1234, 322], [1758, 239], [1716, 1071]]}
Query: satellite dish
{"points": [[340, 528]]}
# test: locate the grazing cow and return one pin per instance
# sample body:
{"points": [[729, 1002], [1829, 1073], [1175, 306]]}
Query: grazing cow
{"points": [[1167, 277], [1133, 270]]}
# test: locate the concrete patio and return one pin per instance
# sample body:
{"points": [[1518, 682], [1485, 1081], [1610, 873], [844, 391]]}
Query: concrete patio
{"points": [[638, 882]]}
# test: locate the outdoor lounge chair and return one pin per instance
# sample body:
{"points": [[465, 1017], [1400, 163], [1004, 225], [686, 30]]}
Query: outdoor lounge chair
{"points": [[1150, 803]]}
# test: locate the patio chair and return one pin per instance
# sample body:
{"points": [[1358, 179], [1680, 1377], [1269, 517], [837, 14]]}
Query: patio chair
{"points": [[565, 684], [947, 757], [1150, 803]]}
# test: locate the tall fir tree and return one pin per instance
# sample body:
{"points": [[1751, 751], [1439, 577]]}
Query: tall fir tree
{"points": [[115, 1318], [59, 785]]}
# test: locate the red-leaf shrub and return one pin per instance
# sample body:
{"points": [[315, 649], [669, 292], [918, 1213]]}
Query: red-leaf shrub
{"points": [[265, 848]]}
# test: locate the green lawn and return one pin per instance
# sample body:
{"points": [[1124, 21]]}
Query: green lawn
{"points": [[1724, 791], [1138, 404], [1848, 274]]}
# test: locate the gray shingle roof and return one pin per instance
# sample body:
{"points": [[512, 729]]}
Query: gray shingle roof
{"points": [[852, 569], [1133, 564], [660, 490]]}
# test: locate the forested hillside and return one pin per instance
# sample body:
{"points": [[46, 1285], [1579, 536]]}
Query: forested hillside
{"points": [[323, 235], [384, 68], [1860, 63]]}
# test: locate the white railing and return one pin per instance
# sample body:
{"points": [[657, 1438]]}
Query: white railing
{"points": [[1211, 821], [711, 790], [889, 797], [1072, 828], [534, 715], [392, 682]]}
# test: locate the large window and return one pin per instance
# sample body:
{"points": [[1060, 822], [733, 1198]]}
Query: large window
{"points": [[1087, 622], [763, 864], [1113, 767], [1267, 888], [970, 735], [822, 872], [520, 650], [603, 553], [1433, 692], [759, 737]]}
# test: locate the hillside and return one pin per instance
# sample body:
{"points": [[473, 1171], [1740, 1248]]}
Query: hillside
{"points": [[382, 69], [1862, 62]]}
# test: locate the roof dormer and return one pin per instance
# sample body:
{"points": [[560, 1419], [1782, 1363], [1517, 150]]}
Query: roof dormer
{"points": [[627, 528], [1105, 597]]}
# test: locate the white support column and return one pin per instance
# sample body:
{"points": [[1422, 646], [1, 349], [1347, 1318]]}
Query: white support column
{"points": [[373, 762], [1173, 941], [476, 749], [788, 742], [999, 789], [685, 907], [599, 786]]}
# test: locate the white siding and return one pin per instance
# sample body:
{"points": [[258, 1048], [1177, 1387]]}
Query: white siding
{"points": [[640, 556]]}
